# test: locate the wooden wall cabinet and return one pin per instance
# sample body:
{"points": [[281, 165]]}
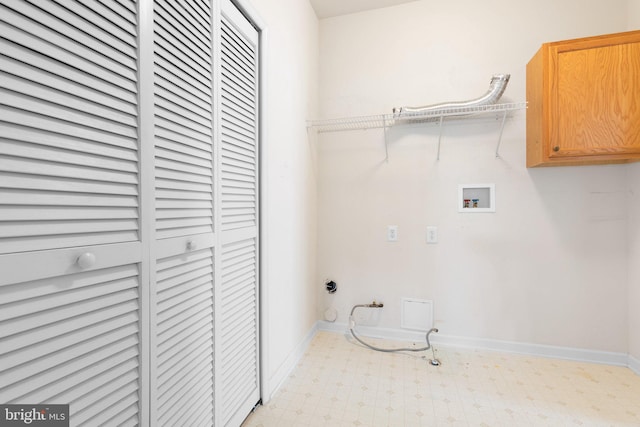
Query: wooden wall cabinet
{"points": [[584, 101]]}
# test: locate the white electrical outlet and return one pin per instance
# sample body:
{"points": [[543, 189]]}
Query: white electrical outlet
{"points": [[432, 234], [392, 233]]}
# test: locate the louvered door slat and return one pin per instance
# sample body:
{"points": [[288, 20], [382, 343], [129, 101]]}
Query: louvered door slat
{"points": [[239, 156], [17, 149], [105, 18], [113, 37], [15, 199], [45, 62], [45, 26], [79, 382], [237, 91], [193, 323], [101, 388], [165, 160], [238, 132], [183, 120], [178, 109], [42, 46], [201, 416], [129, 4], [182, 101], [235, 95], [236, 57], [201, 26], [103, 411], [200, 390], [57, 168], [239, 54], [61, 127], [122, 8], [243, 172], [167, 69], [238, 99], [21, 87], [236, 128], [180, 130], [184, 376], [244, 46], [32, 229], [202, 191], [72, 143], [238, 333], [21, 182], [234, 66], [184, 37], [241, 92], [181, 152], [236, 142], [68, 143], [86, 365], [62, 113], [239, 129], [62, 332], [184, 335]]}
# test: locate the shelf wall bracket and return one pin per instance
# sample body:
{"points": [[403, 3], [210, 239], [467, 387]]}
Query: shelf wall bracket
{"points": [[440, 136], [504, 119], [386, 144]]}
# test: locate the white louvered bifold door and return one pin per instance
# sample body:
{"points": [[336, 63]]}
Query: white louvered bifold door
{"points": [[69, 190], [237, 287], [182, 304]]}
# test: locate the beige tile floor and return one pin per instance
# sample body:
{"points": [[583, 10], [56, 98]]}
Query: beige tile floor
{"points": [[339, 383]]}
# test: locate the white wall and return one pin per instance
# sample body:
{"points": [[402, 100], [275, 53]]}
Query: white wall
{"points": [[289, 185], [550, 266], [634, 228], [634, 261]]}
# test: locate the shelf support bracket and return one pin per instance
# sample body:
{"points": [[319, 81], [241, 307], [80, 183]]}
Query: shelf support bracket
{"points": [[386, 145], [504, 118], [440, 136]]}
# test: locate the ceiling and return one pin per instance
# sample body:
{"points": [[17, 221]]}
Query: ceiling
{"points": [[329, 8]]}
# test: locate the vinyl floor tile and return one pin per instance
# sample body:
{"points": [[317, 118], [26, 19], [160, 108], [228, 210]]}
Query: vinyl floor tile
{"points": [[340, 383]]}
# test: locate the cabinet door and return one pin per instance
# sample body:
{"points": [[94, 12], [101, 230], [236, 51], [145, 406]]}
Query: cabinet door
{"points": [[182, 291], [595, 97], [237, 284], [70, 250]]}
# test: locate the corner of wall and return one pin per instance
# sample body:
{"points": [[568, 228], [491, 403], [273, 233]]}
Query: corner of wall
{"points": [[280, 375], [633, 253]]}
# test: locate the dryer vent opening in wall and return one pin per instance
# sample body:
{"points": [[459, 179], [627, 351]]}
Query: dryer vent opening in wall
{"points": [[417, 314]]}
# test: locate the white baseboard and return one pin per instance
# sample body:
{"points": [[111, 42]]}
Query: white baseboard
{"points": [[577, 354], [286, 368], [634, 364]]}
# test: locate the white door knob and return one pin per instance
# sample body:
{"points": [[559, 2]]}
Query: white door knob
{"points": [[191, 245], [86, 260]]}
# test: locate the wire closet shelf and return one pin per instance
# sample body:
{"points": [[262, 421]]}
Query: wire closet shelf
{"points": [[385, 121], [393, 119]]}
